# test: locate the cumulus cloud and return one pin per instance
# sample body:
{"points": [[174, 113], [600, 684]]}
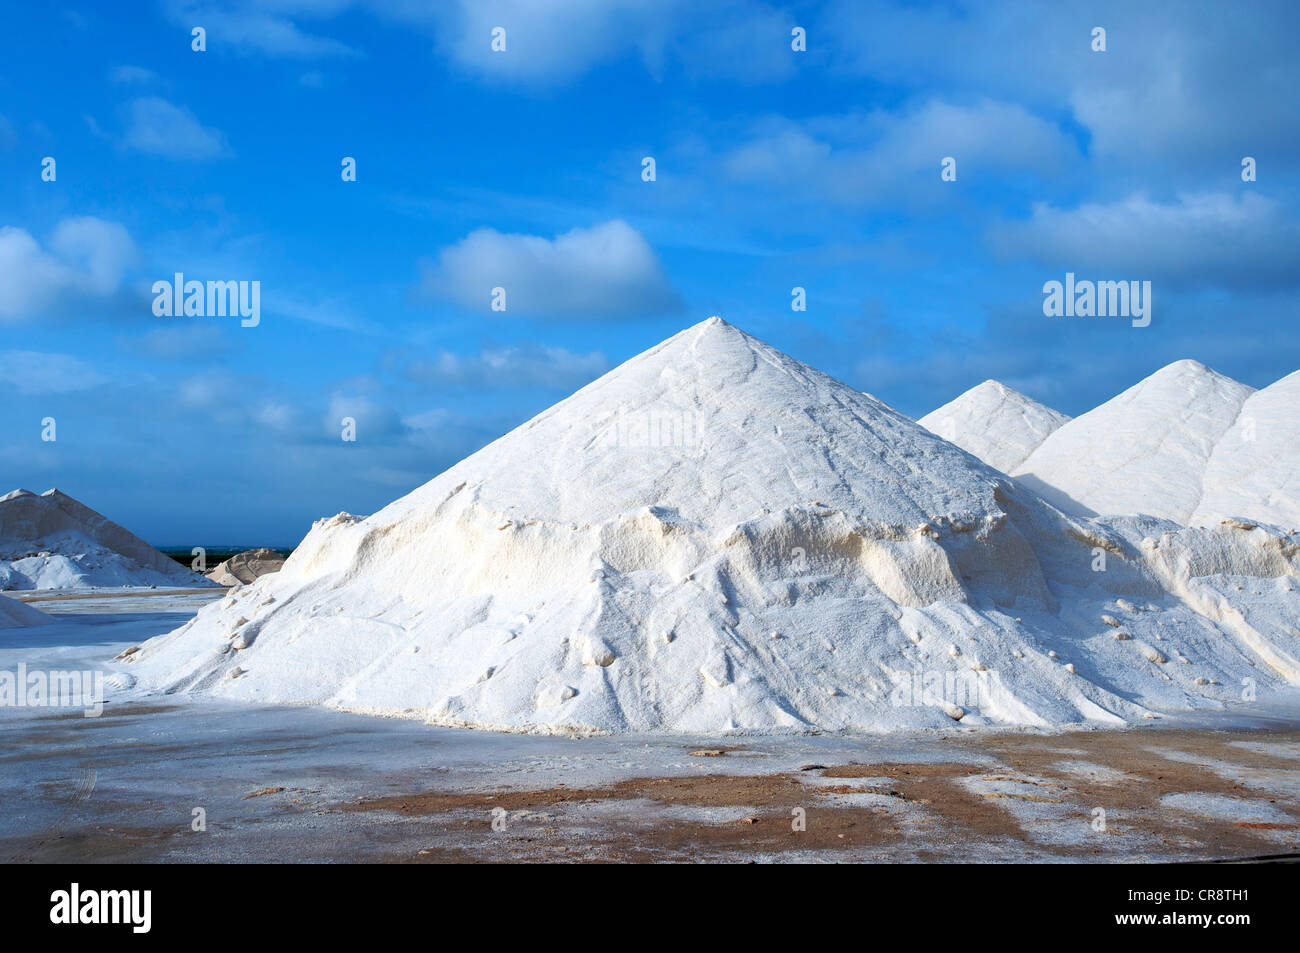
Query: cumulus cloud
{"points": [[608, 270], [245, 404], [87, 258], [551, 43], [876, 156], [37, 372], [555, 43], [546, 44], [29, 276], [100, 251], [161, 128], [1197, 239], [266, 28], [1178, 79]]}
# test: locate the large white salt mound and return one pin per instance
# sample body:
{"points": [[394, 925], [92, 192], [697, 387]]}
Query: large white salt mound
{"points": [[1143, 451], [1254, 472], [14, 614], [996, 423], [714, 536], [51, 541]]}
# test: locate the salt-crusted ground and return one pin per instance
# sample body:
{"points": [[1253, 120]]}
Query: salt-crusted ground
{"points": [[308, 784]]}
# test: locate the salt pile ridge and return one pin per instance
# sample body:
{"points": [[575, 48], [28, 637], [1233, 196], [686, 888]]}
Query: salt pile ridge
{"points": [[14, 614], [714, 536], [996, 423], [51, 541], [1144, 451], [1254, 472]]}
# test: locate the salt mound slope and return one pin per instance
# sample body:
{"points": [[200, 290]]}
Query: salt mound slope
{"points": [[1254, 472], [14, 614], [996, 423], [714, 536], [1143, 451], [51, 541]]}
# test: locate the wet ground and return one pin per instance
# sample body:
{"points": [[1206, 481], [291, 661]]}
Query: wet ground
{"points": [[200, 781], [298, 784]]}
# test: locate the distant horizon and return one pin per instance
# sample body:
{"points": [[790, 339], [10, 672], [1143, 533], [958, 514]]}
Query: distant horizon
{"points": [[170, 548]]}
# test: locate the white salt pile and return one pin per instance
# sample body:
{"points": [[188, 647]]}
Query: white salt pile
{"points": [[715, 536], [246, 566], [15, 615], [1186, 444], [1254, 471], [999, 425], [51, 541], [1144, 451]]}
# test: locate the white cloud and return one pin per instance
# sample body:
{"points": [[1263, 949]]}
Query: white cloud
{"points": [[608, 270], [205, 390], [102, 252], [267, 27], [162, 128], [1178, 79], [244, 403], [276, 415], [87, 257], [1199, 238], [518, 366], [133, 74], [29, 276], [549, 43], [546, 43], [555, 43], [427, 421], [876, 156], [36, 372]]}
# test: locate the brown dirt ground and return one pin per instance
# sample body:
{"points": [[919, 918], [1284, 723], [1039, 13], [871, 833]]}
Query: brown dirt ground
{"points": [[938, 813]]}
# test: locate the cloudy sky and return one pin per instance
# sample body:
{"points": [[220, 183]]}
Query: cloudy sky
{"points": [[775, 168]]}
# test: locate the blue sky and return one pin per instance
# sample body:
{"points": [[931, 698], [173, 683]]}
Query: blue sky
{"points": [[522, 168]]}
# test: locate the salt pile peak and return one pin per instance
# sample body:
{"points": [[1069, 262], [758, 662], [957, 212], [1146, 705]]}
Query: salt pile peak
{"points": [[1254, 471], [51, 541], [1143, 451], [746, 429], [996, 423], [714, 536]]}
